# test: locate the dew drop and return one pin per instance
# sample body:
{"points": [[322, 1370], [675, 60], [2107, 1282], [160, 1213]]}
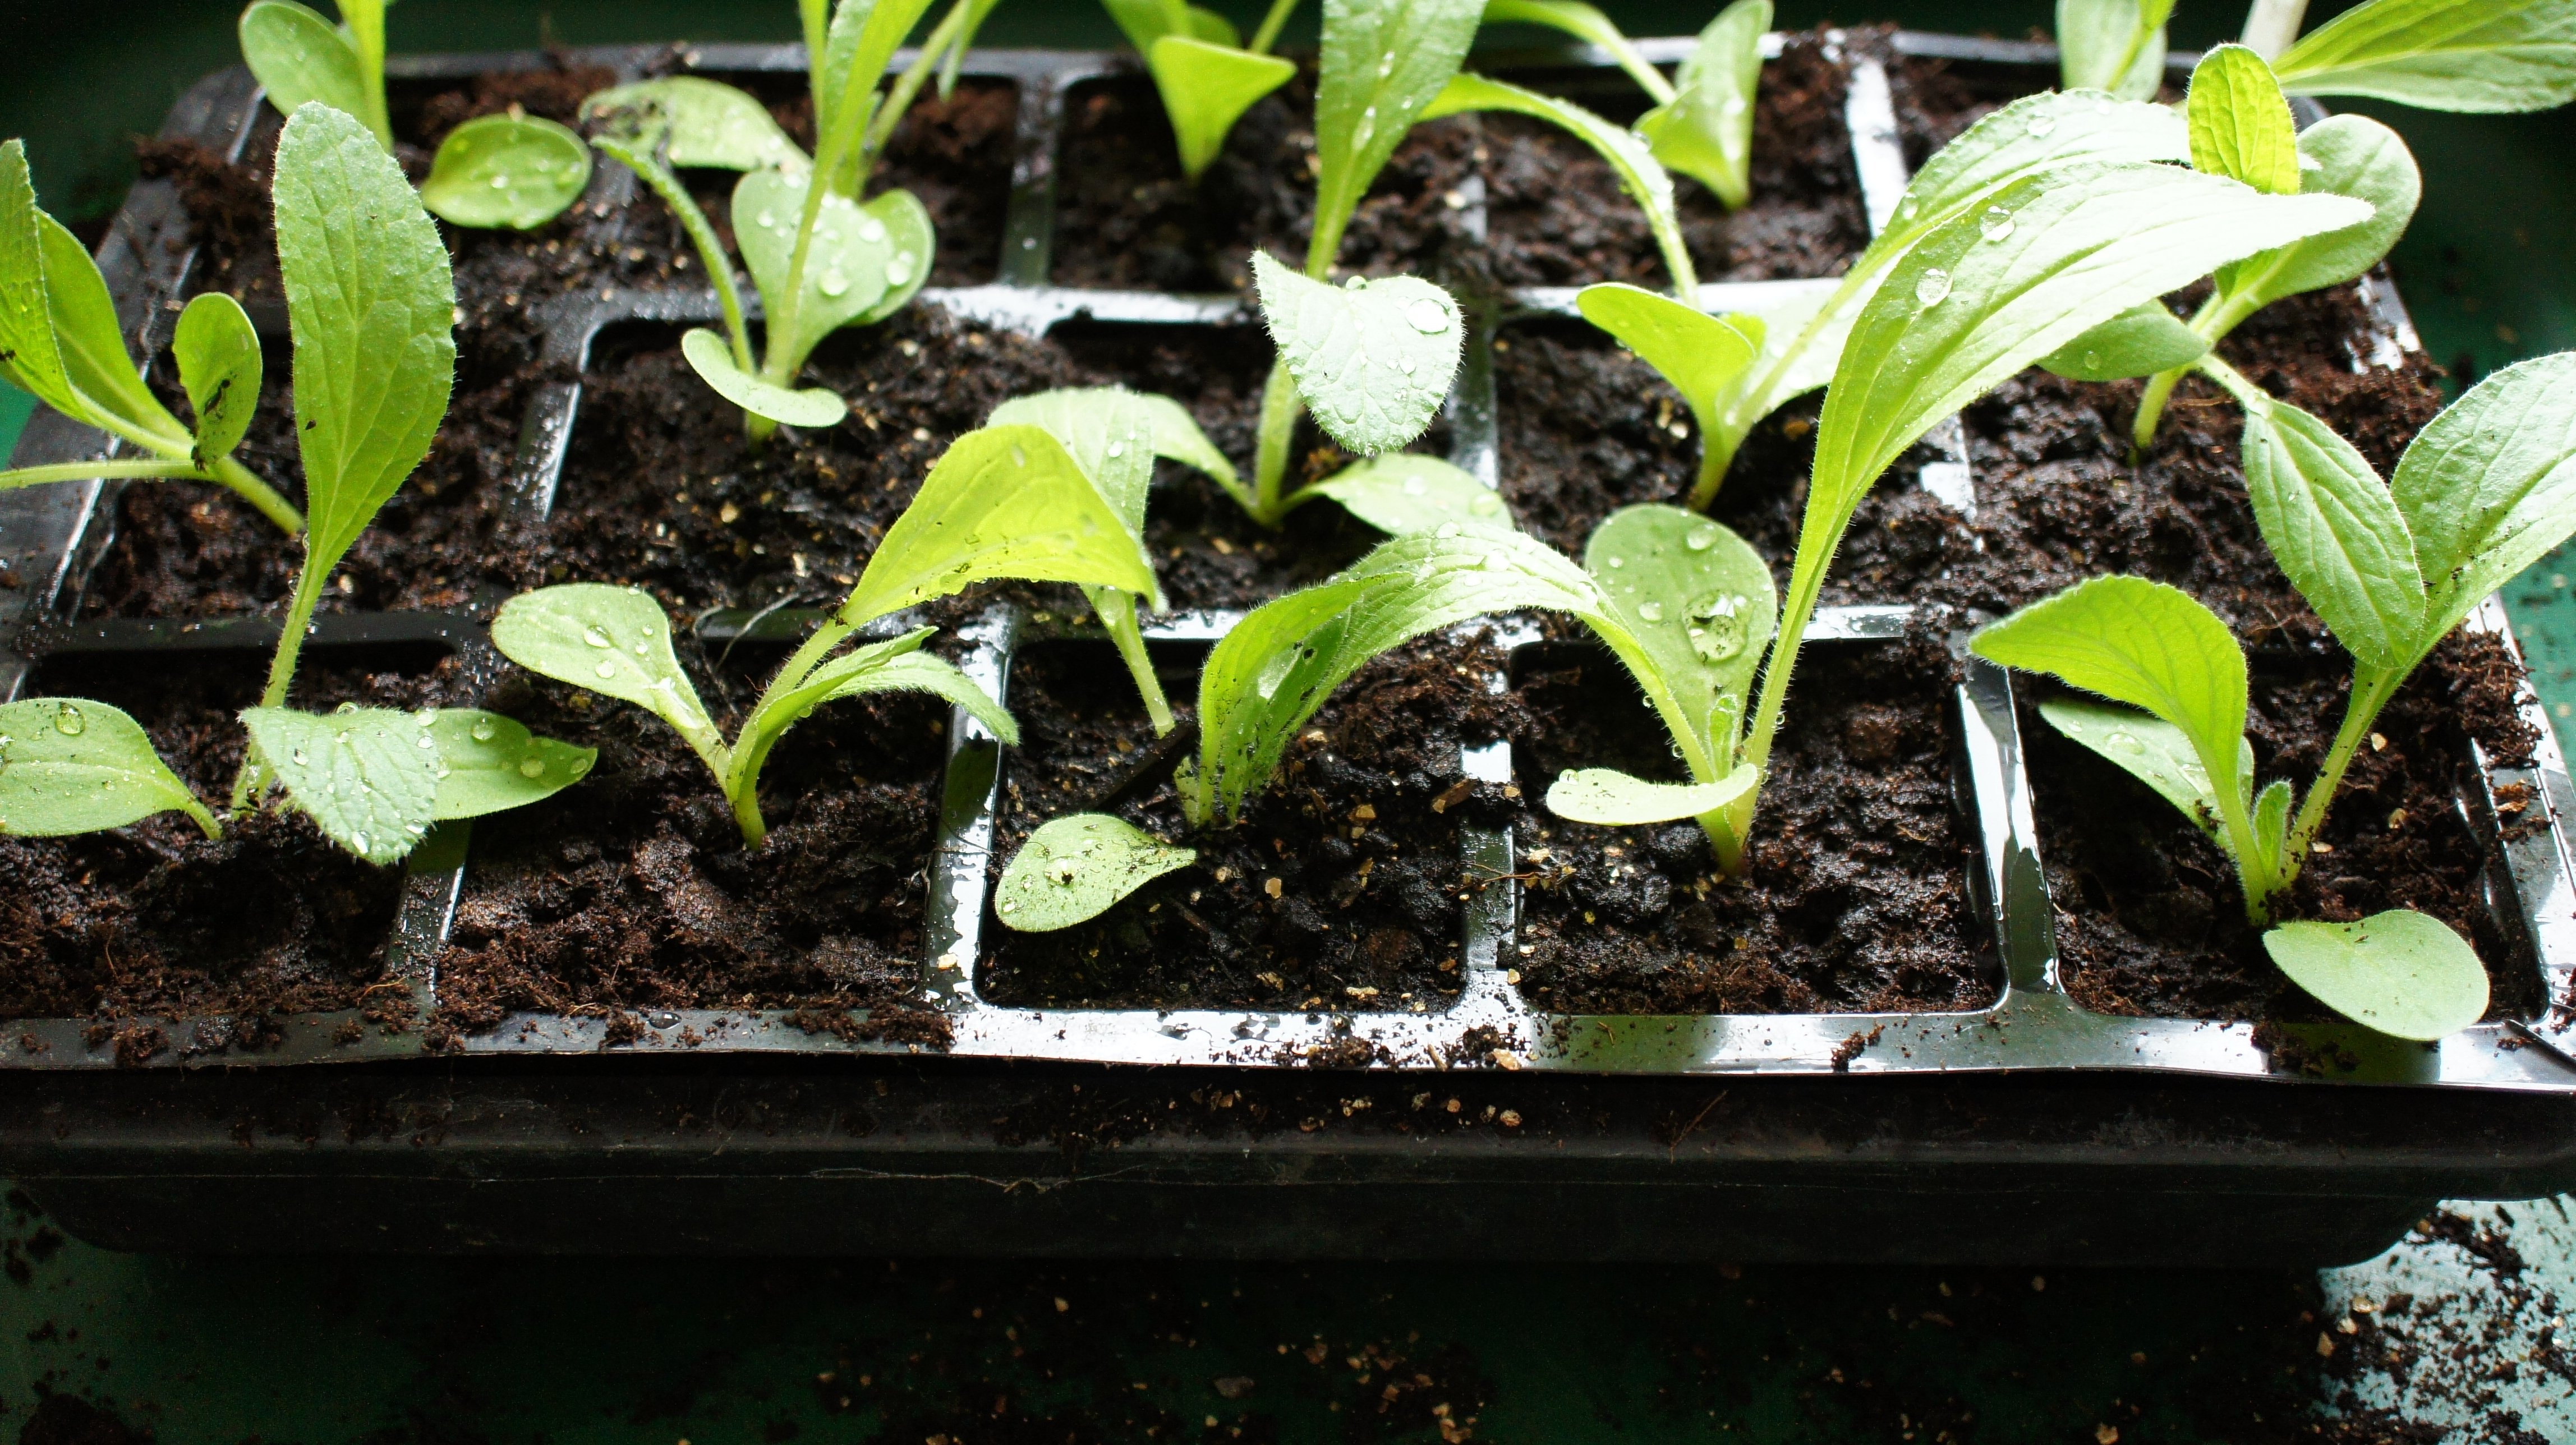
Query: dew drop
{"points": [[606, 668], [69, 722], [358, 841], [2092, 361], [1117, 449], [1019, 456], [1618, 562], [1996, 223], [531, 768], [1413, 487], [768, 221], [425, 742], [1718, 638], [483, 729], [500, 183], [834, 283], [596, 637], [300, 759], [872, 230], [417, 830], [1734, 106], [899, 270], [1651, 611], [2125, 742], [2042, 123], [344, 708], [1933, 288], [1385, 67], [1430, 317], [1701, 539], [1446, 529]]}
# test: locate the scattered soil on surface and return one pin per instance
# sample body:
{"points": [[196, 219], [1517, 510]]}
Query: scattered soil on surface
{"points": [[633, 892], [1856, 895], [1358, 836], [2149, 916], [156, 919]]}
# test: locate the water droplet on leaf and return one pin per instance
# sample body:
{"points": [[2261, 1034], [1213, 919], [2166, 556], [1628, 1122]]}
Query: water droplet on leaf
{"points": [[606, 668], [899, 270], [358, 841], [2042, 123], [1701, 539], [1428, 316], [1996, 223], [1933, 288], [596, 637], [834, 283], [1651, 611], [69, 722], [872, 230], [531, 768], [483, 729]]}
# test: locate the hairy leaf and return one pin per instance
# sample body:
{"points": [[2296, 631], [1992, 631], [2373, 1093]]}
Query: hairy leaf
{"points": [[1640, 174], [858, 45], [1110, 432], [2044, 132], [1400, 492], [2334, 529], [487, 763], [28, 356], [1373, 359], [851, 262], [220, 366], [1178, 437], [1705, 357], [699, 122], [2354, 156], [359, 774], [1613, 799], [2399, 972], [1076, 868], [2153, 751], [2113, 45], [2240, 122], [1585, 23], [712, 360], [609, 640], [371, 305], [1706, 131], [2489, 486], [914, 241], [1383, 61], [1700, 606], [506, 171], [68, 765], [2140, 341], [1206, 87], [924, 672], [2492, 55], [298, 57]]}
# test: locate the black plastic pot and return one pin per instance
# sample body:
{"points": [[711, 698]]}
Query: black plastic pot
{"points": [[2032, 1130]]}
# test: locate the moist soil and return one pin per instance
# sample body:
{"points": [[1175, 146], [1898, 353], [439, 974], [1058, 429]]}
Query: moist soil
{"points": [[641, 897], [2149, 916], [157, 920], [1855, 895], [1338, 889]]}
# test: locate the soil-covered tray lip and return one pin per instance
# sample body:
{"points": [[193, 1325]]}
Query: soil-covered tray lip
{"points": [[2033, 1025]]}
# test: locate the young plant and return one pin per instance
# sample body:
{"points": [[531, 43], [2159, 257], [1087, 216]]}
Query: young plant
{"points": [[1702, 121], [1208, 77], [516, 171], [60, 341], [1005, 501], [2457, 55], [2113, 45], [820, 257]]}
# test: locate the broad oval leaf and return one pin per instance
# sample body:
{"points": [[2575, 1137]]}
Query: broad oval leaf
{"points": [[712, 359], [1076, 868], [2354, 156], [359, 774], [1700, 605], [1613, 799], [2145, 644], [1400, 493], [1640, 174], [371, 305], [69, 765], [847, 271], [2153, 751], [1109, 431], [298, 56], [1206, 88], [220, 366], [2490, 56], [699, 122], [2240, 122], [1383, 61], [915, 242], [1705, 357], [2113, 45], [2140, 341], [487, 763], [1706, 130], [2489, 486], [2334, 529], [1003, 501], [2400, 972], [1373, 359], [514, 172], [609, 640]]}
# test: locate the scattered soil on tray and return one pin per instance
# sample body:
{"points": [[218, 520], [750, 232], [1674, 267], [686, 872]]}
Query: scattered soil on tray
{"points": [[2149, 916], [633, 892], [155, 919], [1856, 894], [1358, 837]]}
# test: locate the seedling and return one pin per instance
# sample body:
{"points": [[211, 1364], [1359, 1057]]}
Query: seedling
{"points": [[1005, 501], [59, 339], [516, 170], [1702, 121], [2458, 55], [2113, 45], [1208, 77]]}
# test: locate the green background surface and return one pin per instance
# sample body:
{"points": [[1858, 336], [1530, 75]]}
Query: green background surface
{"points": [[336, 1350]]}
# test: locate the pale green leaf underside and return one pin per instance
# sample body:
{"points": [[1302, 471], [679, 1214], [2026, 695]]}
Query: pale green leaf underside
{"points": [[2240, 122], [2354, 156], [2399, 972], [2153, 751], [298, 56], [1706, 131], [2489, 486], [1400, 492], [69, 765], [506, 172], [847, 271], [1373, 359], [1613, 799], [220, 368], [1705, 357], [1700, 606], [712, 359], [360, 775], [2489, 56], [1076, 868], [487, 763], [1109, 431], [2335, 530], [613, 641], [923, 672], [2140, 341], [702, 122], [1179, 437], [1206, 88]]}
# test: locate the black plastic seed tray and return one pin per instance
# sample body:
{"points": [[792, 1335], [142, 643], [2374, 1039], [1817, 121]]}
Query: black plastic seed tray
{"points": [[2032, 1129]]}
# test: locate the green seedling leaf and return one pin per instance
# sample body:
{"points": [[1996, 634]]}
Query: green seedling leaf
{"points": [[858, 45], [220, 366], [1612, 799], [1206, 87], [699, 122], [1700, 606], [2272, 822], [712, 360], [2240, 122], [486, 763], [60, 338], [2140, 341], [1109, 431], [2113, 45], [1399, 492], [914, 241], [1004, 501], [359, 773], [1639, 172], [1076, 868], [69, 766], [298, 57], [28, 355], [2492, 56], [371, 306], [613, 641], [1383, 61], [2345, 155], [2152, 647], [1587, 24], [1373, 359], [1179, 437], [897, 665], [1705, 357], [923, 672], [852, 262], [2489, 487], [1706, 131], [506, 171], [2153, 751], [2399, 972]]}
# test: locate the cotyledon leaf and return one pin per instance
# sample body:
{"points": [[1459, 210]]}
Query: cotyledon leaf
{"points": [[915, 242], [487, 763], [614, 641], [1613, 799], [359, 774], [1400, 492], [28, 355], [298, 56], [700, 122], [220, 367], [1076, 868], [1700, 605], [92, 340], [712, 359], [2400, 972], [1372, 358], [850, 263], [506, 171], [69, 765], [2140, 341]]}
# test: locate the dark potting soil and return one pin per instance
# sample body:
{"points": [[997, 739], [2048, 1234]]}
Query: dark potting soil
{"points": [[2149, 916], [1338, 889], [634, 893], [1856, 891], [156, 919]]}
